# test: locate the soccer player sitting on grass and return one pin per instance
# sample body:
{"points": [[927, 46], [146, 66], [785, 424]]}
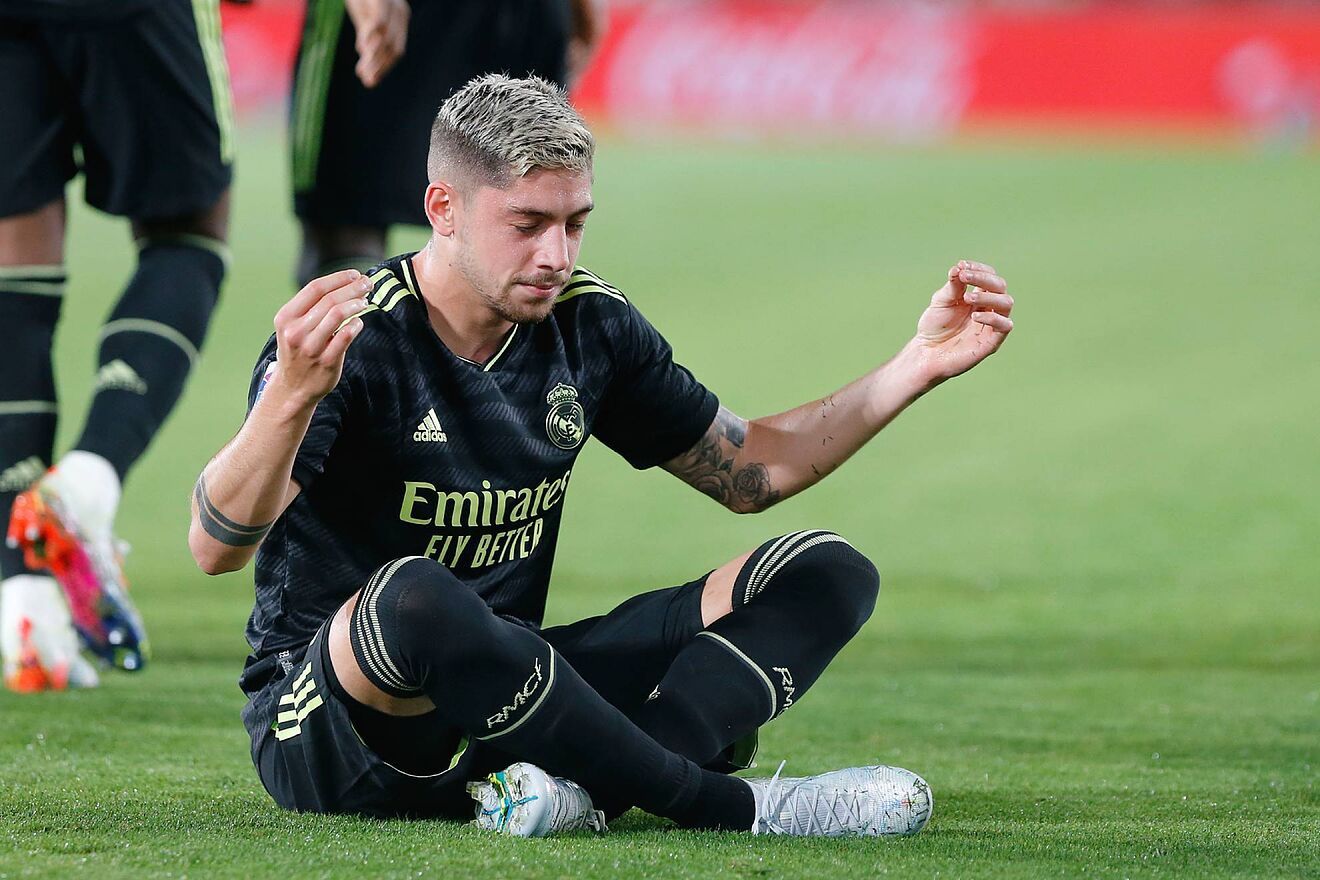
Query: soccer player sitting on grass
{"points": [[400, 476]]}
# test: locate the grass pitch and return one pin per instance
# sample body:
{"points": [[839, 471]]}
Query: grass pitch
{"points": [[1097, 634]]}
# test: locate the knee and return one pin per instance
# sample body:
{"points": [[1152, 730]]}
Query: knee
{"points": [[414, 588], [411, 609], [842, 582], [35, 238], [211, 223], [426, 605], [847, 579]]}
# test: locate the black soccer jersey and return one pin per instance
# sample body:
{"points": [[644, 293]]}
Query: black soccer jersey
{"points": [[419, 452]]}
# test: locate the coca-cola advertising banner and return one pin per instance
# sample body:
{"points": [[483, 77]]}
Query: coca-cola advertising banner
{"points": [[903, 71]]}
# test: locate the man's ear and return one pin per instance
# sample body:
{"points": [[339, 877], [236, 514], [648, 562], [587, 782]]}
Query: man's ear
{"points": [[440, 203]]}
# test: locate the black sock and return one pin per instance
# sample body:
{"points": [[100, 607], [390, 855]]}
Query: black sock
{"points": [[797, 601], [149, 344], [418, 629], [31, 298]]}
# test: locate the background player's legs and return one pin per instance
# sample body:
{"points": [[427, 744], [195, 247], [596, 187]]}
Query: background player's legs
{"points": [[328, 248], [153, 335], [358, 154], [31, 294], [149, 344], [418, 638], [774, 620], [36, 636]]}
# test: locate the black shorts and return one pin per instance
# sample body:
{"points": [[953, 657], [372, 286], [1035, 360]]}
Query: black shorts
{"points": [[359, 154], [140, 103], [310, 756]]}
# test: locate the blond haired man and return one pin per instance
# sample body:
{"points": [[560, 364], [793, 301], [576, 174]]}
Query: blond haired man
{"points": [[400, 477]]}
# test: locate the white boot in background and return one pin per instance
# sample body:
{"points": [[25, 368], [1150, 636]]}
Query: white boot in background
{"points": [[37, 640], [89, 488], [64, 524]]}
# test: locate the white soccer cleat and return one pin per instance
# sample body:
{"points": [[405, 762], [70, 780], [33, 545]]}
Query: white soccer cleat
{"points": [[525, 801], [37, 639], [65, 529], [856, 802]]}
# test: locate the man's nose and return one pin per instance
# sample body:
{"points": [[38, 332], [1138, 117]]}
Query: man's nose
{"points": [[554, 253]]}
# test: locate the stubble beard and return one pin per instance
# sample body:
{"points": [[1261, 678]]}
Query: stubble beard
{"points": [[488, 291]]}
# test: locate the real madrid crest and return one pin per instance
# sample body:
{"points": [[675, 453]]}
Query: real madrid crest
{"points": [[566, 423]]}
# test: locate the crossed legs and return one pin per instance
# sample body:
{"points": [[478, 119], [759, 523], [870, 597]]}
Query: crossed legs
{"points": [[415, 640]]}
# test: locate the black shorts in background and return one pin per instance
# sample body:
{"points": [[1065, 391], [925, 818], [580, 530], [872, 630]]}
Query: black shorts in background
{"points": [[358, 154], [144, 98]]}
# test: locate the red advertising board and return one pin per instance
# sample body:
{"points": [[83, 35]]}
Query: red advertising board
{"points": [[896, 70]]}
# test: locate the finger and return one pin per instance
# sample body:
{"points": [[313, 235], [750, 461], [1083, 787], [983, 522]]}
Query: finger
{"points": [[342, 339], [398, 29], [975, 266], [952, 292], [389, 56], [368, 69], [319, 339], [299, 336], [984, 300], [399, 25], [365, 74], [371, 69], [372, 45], [312, 293], [367, 35], [994, 320], [984, 280]]}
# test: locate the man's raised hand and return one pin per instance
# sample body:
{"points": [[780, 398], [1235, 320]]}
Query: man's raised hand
{"points": [[966, 322], [314, 330], [381, 28]]}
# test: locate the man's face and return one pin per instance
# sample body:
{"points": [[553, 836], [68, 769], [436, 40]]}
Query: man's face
{"points": [[517, 246]]}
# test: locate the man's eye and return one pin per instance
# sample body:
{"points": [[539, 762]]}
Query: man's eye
{"points": [[577, 227], [524, 228]]}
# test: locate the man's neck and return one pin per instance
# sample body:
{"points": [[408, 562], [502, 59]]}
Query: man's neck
{"points": [[463, 322]]}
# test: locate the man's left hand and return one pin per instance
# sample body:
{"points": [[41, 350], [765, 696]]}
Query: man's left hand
{"points": [[966, 322]]}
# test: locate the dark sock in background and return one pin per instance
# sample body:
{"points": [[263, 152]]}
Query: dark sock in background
{"points": [[150, 343]]}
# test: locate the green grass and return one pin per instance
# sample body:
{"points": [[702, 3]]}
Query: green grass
{"points": [[1097, 636]]}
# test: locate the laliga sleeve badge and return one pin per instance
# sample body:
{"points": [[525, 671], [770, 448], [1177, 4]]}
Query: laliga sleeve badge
{"points": [[265, 380], [566, 423]]}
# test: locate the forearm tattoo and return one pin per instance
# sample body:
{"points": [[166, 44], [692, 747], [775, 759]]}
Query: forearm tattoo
{"points": [[221, 527], [712, 467]]}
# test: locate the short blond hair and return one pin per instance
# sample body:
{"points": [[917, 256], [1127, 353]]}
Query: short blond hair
{"points": [[497, 128]]}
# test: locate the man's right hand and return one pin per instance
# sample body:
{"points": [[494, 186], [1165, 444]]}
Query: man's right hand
{"points": [[313, 332], [382, 36]]}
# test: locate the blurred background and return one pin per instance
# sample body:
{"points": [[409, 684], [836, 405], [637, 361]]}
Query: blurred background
{"points": [[910, 70], [1097, 634]]}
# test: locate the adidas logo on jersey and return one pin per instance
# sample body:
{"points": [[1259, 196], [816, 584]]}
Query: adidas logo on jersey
{"points": [[429, 431], [119, 376]]}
